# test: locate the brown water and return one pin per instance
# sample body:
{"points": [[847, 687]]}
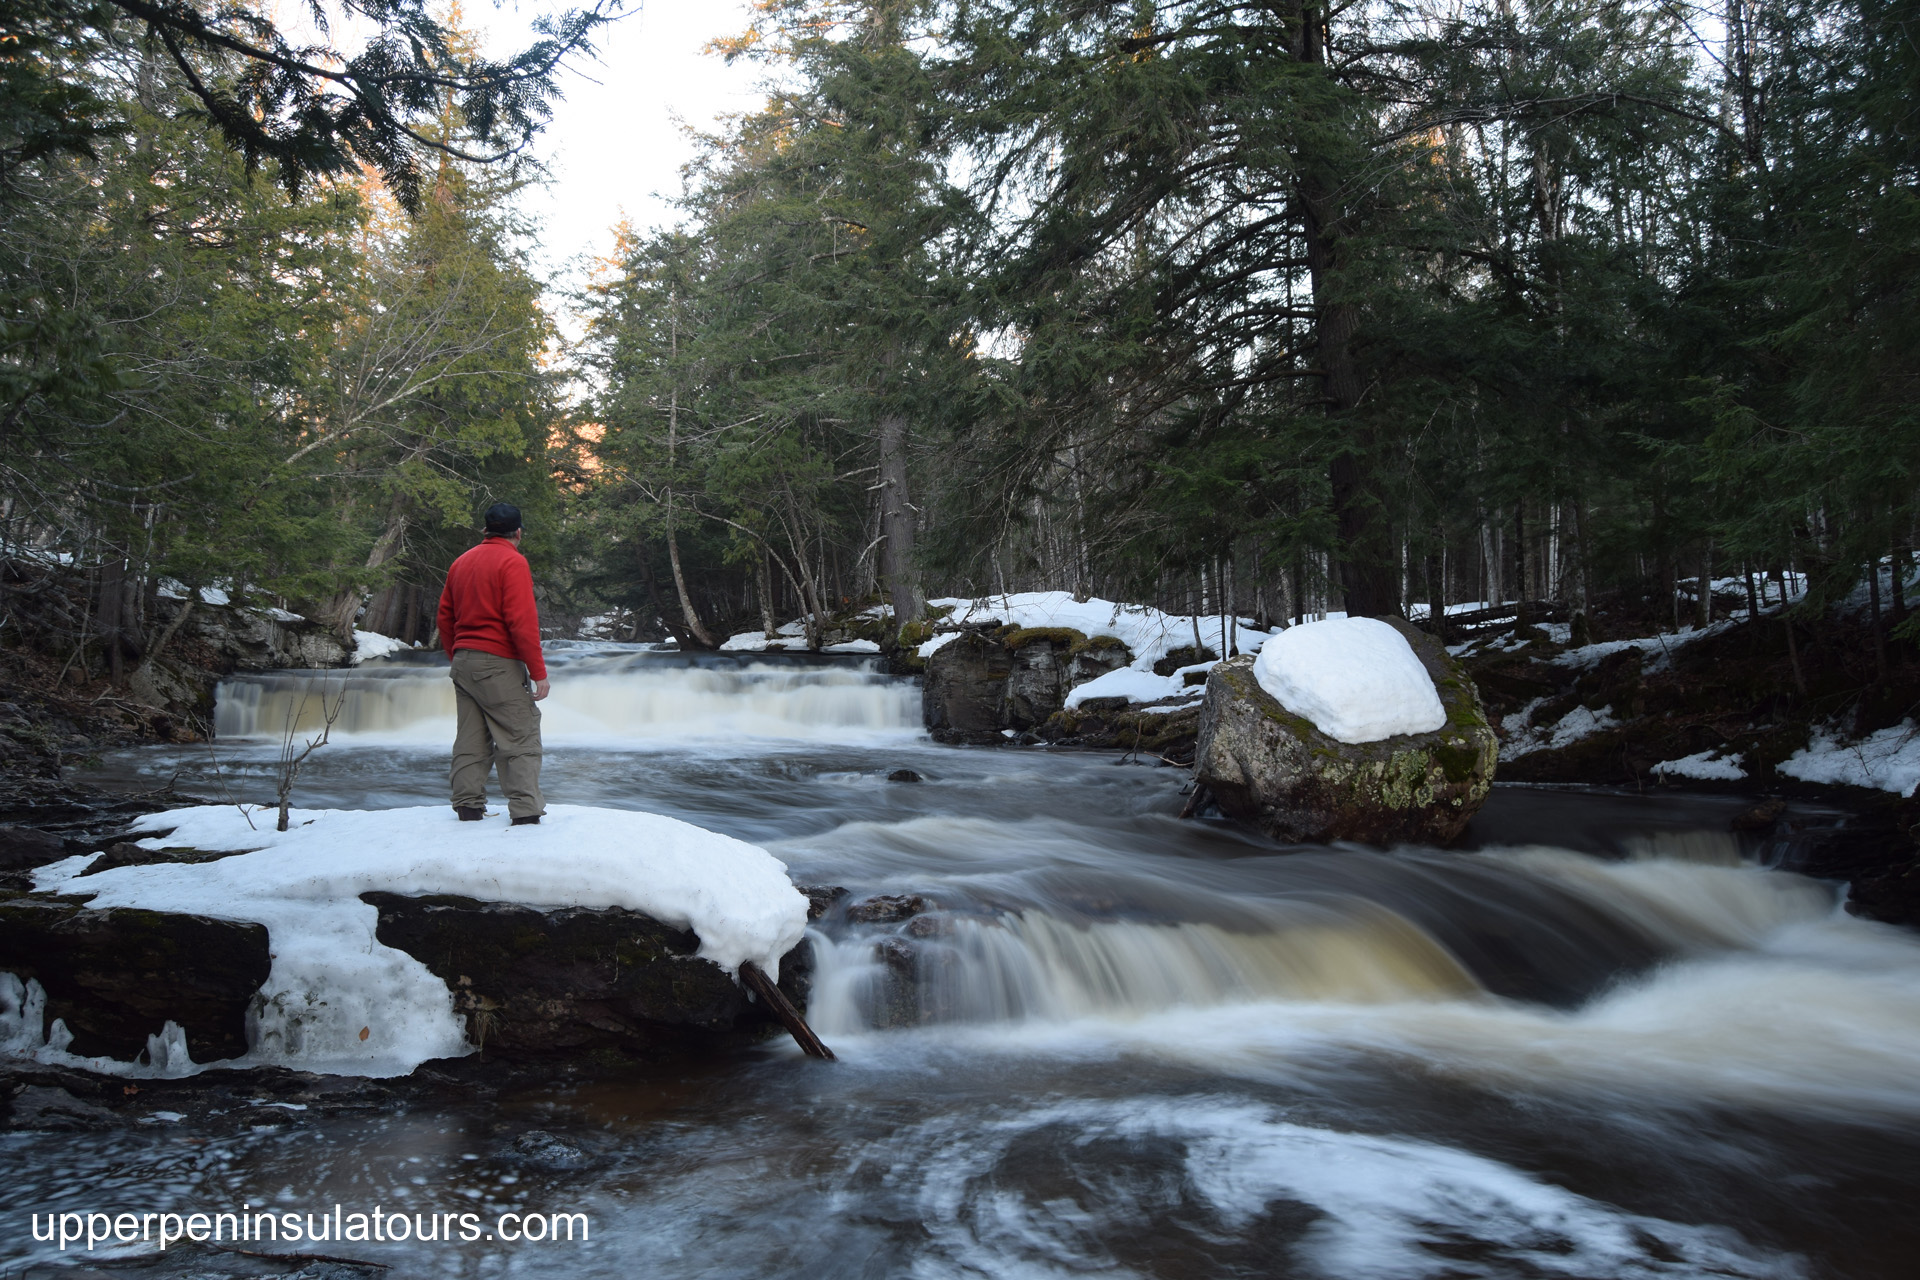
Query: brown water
{"points": [[1604, 1043]]}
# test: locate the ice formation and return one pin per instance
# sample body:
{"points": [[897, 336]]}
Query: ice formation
{"points": [[1357, 679], [337, 999]]}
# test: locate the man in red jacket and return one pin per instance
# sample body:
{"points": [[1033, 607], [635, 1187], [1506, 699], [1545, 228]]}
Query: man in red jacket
{"points": [[490, 627]]}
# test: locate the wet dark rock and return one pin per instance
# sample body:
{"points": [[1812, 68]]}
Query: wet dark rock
{"points": [[904, 775], [541, 985], [1276, 771], [542, 1150], [1037, 678], [1104, 706], [1185, 656], [886, 908], [128, 854], [22, 848], [1166, 729], [1891, 896], [46, 1107], [331, 1270], [117, 976], [1761, 818], [965, 684], [928, 927], [1095, 657], [821, 900]]}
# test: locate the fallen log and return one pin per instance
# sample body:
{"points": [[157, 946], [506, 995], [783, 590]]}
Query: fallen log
{"points": [[761, 985]]}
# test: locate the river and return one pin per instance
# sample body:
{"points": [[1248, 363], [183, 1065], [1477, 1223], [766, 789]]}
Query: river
{"points": [[1603, 1041]]}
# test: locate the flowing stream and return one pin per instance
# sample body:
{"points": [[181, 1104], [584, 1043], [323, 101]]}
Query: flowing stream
{"points": [[1603, 1041]]}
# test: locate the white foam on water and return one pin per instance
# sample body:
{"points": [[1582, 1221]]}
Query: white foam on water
{"points": [[1385, 1208], [1775, 998]]}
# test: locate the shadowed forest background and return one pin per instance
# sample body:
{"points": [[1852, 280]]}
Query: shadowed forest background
{"points": [[1271, 308]]}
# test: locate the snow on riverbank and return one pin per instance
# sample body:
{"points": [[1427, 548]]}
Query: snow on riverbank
{"points": [[339, 1000], [1524, 738], [1148, 633], [1885, 761], [1357, 679], [1703, 766], [1136, 685], [371, 644]]}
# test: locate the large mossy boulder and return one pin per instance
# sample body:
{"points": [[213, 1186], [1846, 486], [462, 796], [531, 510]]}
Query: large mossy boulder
{"points": [[1275, 770]]}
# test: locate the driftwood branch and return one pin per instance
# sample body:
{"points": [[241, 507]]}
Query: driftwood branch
{"points": [[761, 985]]}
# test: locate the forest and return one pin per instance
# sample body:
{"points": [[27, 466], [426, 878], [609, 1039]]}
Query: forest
{"points": [[1272, 308]]}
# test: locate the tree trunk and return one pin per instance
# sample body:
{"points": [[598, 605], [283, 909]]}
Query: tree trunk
{"points": [[896, 522], [344, 607], [1520, 561], [107, 615], [763, 579], [1367, 572], [695, 628], [1873, 619], [1897, 583]]}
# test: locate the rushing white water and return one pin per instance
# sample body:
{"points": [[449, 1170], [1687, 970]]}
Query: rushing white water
{"points": [[599, 698]]}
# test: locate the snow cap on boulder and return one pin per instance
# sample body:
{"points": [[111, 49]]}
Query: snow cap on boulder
{"points": [[1356, 679]]}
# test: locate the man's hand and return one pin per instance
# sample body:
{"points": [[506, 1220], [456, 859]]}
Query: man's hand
{"points": [[539, 690]]}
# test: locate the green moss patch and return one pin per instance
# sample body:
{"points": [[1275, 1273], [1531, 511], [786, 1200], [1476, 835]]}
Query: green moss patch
{"points": [[1020, 637]]}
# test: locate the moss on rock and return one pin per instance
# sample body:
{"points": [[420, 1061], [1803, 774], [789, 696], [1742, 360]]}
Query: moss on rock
{"points": [[1021, 637], [1274, 769]]}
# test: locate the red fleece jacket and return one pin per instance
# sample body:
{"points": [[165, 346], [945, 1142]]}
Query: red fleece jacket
{"points": [[488, 605]]}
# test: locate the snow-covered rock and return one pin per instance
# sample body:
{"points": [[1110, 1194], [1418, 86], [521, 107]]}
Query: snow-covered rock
{"points": [[1148, 633], [1279, 770], [338, 998], [371, 644], [1132, 684], [1357, 679]]}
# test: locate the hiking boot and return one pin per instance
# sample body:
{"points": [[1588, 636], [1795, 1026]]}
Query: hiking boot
{"points": [[469, 814], [531, 820]]}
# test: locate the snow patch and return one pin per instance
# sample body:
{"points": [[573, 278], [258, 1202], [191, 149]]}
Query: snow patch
{"points": [[1148, 633], [333, 982], [1885, 761], [1130, 683], [1564, 732], [371, 644], [1703, 766], [1357, 679]]}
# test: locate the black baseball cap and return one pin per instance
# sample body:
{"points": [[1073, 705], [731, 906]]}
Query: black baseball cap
{"points": [[503, 518]]}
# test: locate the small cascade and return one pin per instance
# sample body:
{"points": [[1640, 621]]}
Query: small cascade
{"points": [[1031, 966], [599, 699], [1332, 939]]}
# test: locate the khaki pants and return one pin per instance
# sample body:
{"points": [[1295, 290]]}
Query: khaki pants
{"points": [[498, 724]]}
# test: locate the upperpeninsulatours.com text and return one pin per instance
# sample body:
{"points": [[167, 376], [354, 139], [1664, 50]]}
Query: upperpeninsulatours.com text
{"points": [[249, 1226]]}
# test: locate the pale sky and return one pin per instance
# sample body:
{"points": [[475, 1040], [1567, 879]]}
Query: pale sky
{"points": [[616, 142]]}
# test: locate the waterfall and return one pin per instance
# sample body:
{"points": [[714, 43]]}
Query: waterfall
{"points": [[599, 698]]}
